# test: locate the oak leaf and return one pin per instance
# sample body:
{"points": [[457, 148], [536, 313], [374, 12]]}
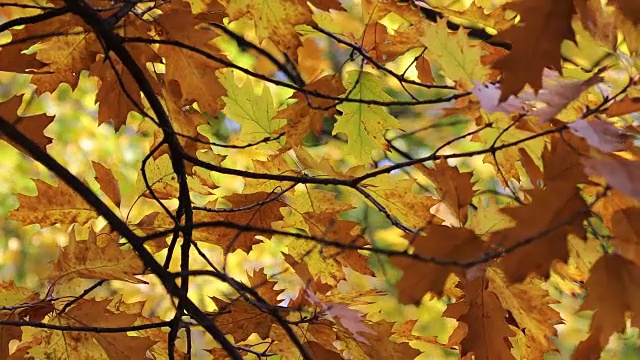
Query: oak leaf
{"points": [[399, 198], [118, 93], [253, 112], [486, 322], [540, 234], [195, 74], [54, 205], [454, 187], [601, 134], [626, 233], [536, 40], [457, 55], [108, 183], [307, 114], [275, 20], [91, 259], [11, 295], [87, 345], [440, 243], [241, 319], [33, 126], [364, 124], [553, 97], [529, 304], [612, 274], [243, 212], [619, 172], [379, 344]]}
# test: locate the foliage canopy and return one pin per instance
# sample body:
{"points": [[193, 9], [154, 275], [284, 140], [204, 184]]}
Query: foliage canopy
{"points": [[321, 179]]}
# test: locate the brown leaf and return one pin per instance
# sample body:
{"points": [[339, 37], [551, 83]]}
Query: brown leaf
{"points": [[230, 239], [612, 290], [116, 346], [536, 43], [424, 70], [624, 106], [304, 116], [379, 345], [454, 187], [554, 96], [117, 87], [108, 183], [32, 126], [488, 331], [629, 9], [265, 288], [626, 231], [11, 295], [241, 319], [327, 226], [195, 74], [441, 243], [540, 234]]}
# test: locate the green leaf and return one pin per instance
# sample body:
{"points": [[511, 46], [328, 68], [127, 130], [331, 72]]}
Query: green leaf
{"points": [[253, 111], [364, 124]]}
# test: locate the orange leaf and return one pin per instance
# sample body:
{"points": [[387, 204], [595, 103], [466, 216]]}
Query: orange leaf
{"points": [[53, 205], [90, 260]]}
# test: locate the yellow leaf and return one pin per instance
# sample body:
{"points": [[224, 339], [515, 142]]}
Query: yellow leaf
{"points": [[457, 55]]}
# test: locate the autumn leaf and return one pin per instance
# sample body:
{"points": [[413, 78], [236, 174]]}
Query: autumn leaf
{"points": [[94, 259], [440, 244], [533, 248], [364, 124], [536, 43], [458, 57], [554, 96], [108, 183], [485, 320], [529, 304], [601, 135], [195, 74], [301, 199], [306, 116], [117, 101], [62, 206], [611, 274], [453, 187], [86, 345], [275, 21], [241, 319], [32, 126], [11, 295], [253, 112], [619, 172]]}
